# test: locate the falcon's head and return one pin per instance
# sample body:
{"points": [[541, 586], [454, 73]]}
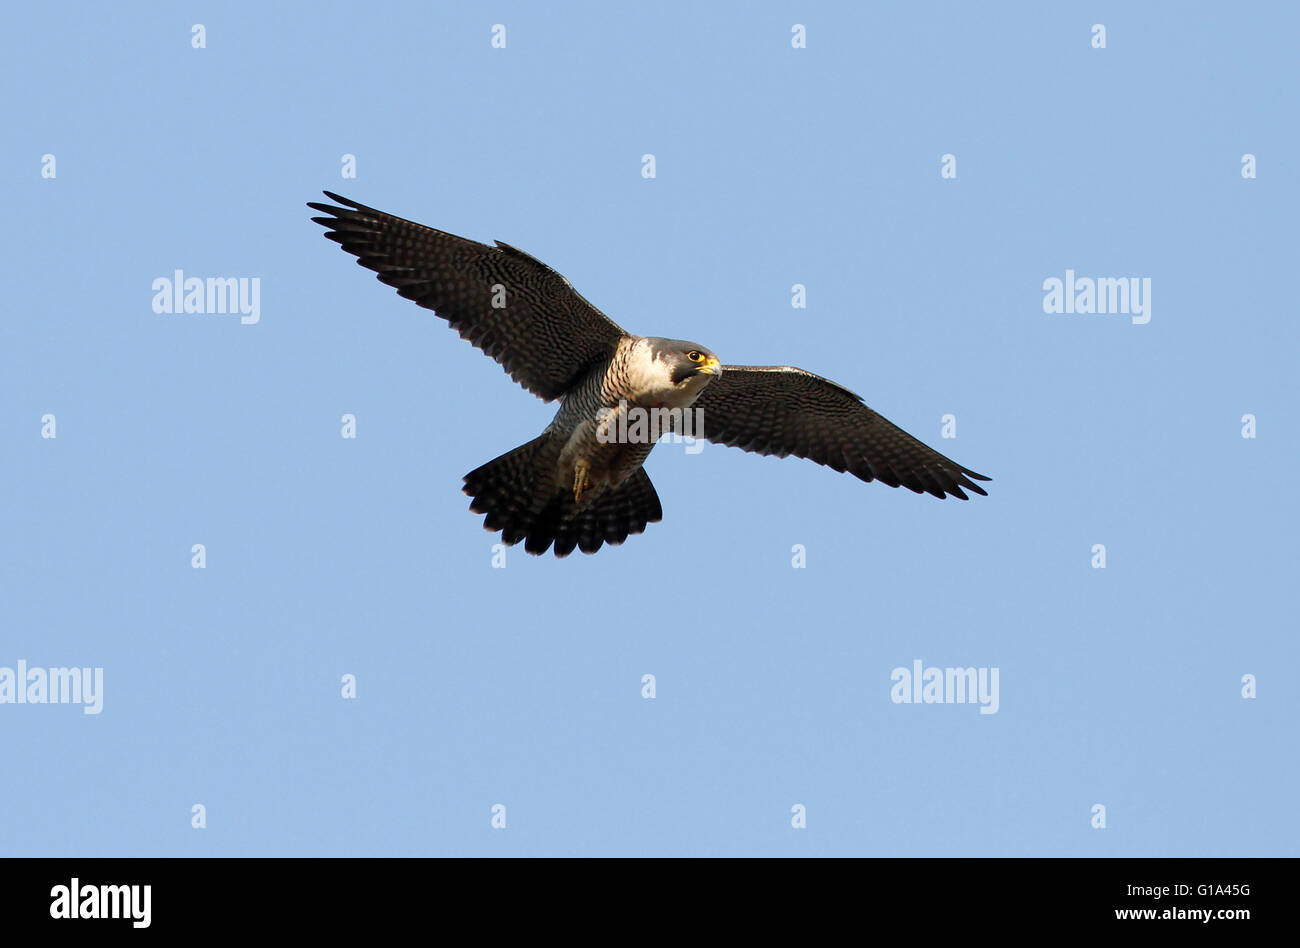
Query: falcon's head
{"points": [[667, 372], [673, 371], [686, 363]]}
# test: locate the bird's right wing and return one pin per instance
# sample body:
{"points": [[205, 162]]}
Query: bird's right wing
{"points": [[782, 410], [507, 303]]}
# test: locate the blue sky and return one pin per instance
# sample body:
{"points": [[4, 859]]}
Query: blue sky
{"points": [[522, 686]]}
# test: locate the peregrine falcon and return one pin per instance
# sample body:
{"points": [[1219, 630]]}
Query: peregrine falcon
{"points": [[581, 484]]}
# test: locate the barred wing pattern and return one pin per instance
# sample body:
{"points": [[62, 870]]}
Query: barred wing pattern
{"points": [[781, 410], [545, 335]]}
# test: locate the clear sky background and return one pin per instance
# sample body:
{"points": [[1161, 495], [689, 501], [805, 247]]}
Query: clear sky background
{"points": [[522, 686]]}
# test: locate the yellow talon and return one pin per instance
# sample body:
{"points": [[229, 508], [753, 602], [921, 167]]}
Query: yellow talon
{"points": [[580, 479]]}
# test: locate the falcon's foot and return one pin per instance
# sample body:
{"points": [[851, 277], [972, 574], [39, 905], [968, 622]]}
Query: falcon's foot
{"points": [[581, 481]]}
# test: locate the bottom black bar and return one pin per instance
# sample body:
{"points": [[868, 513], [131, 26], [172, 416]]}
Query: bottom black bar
{"points": [[333, 896]]}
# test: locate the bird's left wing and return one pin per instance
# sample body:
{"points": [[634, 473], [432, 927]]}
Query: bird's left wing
{"points": [[511, 305], [782, 410]]}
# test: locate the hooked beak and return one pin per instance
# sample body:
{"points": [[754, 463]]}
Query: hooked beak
{"points": [[711, 367]]}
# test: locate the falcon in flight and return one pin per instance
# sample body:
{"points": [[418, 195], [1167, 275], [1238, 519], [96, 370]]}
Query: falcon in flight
{"points": [[581, 484]]}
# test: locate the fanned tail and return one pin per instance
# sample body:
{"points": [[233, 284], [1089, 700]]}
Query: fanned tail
{"points": [[515, 494]]}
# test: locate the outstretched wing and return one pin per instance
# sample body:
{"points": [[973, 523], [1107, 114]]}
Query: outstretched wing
{"points": [[512, 306], [782, 410]]}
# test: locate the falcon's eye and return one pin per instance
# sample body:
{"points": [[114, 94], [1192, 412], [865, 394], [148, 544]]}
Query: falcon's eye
{"points": [[695, 356]]}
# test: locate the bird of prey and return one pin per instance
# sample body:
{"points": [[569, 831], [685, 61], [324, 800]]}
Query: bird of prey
{"points": [[581, 484]]}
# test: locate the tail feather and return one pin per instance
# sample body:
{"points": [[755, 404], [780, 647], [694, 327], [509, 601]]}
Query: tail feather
{"points": [[610, 518], [514, 494], [504, 488]]}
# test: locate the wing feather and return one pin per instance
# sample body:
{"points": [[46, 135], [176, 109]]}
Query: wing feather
{"points": [[780, 410], [545, 335]]}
